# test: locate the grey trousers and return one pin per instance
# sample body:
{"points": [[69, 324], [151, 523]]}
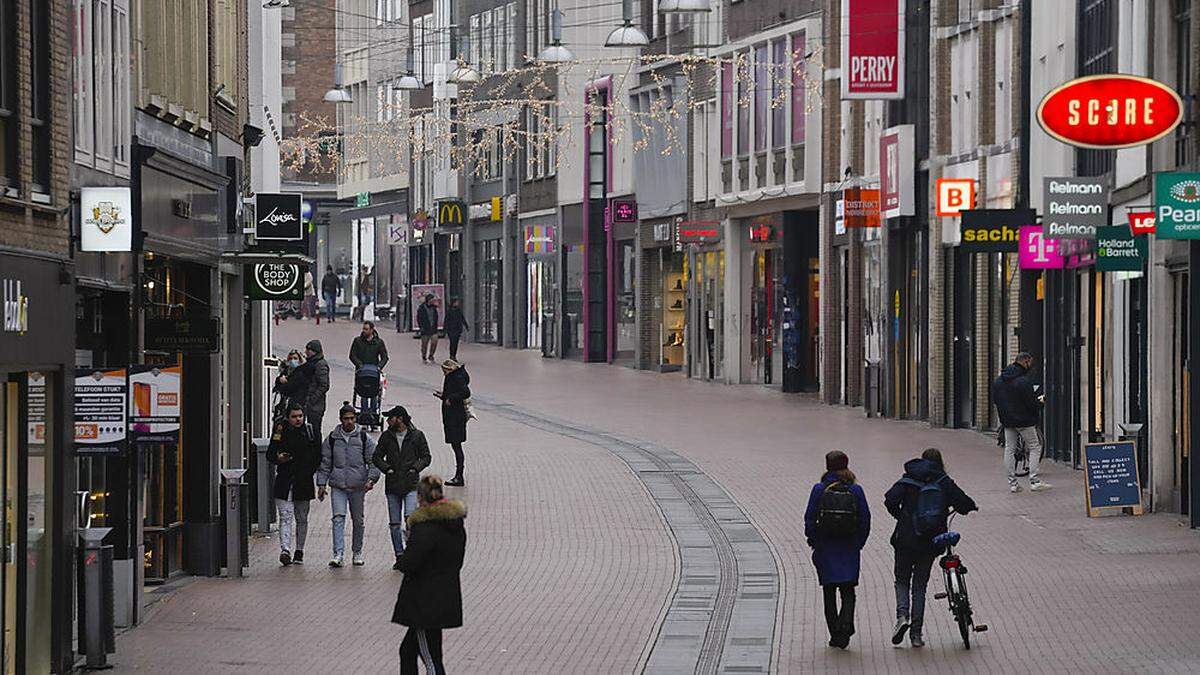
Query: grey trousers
{"points": [[1033, 444], [293, 522]]}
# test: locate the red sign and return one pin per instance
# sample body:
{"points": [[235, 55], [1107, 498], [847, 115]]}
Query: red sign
{"points": [[861, 207], [1110, 111], [624, 211], [699, 231], [1141, 222], [872, 49], [762, 233]]}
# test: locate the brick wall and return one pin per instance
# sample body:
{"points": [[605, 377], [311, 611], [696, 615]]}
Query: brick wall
{"points": [[312, 51]]}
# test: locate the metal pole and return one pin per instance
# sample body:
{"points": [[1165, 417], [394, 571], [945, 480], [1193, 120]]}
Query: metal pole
{"points": [[262, 473], [233, 521], [94, 605]]}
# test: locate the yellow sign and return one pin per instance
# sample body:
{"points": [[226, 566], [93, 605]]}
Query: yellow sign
{"points": [[451, 213], [497, 213]]}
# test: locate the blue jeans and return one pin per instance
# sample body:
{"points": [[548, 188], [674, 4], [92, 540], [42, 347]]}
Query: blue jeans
{"points": [[330, 305], [339, 500], [912, 577], [399, 507]]}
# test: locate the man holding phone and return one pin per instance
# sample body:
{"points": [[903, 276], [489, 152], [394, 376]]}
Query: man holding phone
{"points": [[295, 451], [1018, 404]]}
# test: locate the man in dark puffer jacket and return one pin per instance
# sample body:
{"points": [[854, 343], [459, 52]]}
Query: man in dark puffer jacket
{"points": [[1018, 405]]}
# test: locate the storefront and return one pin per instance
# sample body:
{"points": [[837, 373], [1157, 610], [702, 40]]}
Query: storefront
{"points": [[36, 376], [704, 279], [541, 283], [488, 312], [662, 308], [571, 266]]}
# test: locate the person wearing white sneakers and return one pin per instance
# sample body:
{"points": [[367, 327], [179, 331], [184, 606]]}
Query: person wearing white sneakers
{"points": [[1019, 405], [346, 467]]}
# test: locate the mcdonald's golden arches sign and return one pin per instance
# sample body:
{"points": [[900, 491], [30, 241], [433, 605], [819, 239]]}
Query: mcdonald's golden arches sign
{"points": [[451, 214]]}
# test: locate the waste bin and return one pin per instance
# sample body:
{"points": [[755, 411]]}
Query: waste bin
{"points": [[263, 480], [236, 540], [97, 634], [873, 387]]}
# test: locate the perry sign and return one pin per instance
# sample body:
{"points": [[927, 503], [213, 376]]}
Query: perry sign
{"points": [[872, 49]]}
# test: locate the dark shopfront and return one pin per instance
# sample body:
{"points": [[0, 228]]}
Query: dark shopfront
{"points": [[36, 579]]}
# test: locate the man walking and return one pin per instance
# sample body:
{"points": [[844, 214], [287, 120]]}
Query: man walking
{"points": [[427, 323], [920, 502], [331, 285], [401, 455], [368, 348], [1018, 405], [346, 468], [315, 372], [295, 451], [456, 323]]}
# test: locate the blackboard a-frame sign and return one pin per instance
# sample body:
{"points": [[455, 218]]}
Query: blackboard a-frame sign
{"points": [[1111, 472]]}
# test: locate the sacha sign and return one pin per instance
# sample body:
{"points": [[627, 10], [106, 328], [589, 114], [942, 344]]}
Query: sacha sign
{"points": [[1110, 111]]}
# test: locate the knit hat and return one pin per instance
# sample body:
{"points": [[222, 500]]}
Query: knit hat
{"points": [[314, 345], [836, 460]]}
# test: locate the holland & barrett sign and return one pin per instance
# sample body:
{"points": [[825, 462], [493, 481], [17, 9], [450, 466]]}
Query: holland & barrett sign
{"points": [[1074, 207], [1117, 250], [1177, 205], [275, 281]]}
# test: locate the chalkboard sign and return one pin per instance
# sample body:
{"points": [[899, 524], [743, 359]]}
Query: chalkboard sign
{"points": [[1112, 477]]}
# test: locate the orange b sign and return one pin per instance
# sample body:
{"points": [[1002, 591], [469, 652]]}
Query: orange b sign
{"points": [[955, 195]]}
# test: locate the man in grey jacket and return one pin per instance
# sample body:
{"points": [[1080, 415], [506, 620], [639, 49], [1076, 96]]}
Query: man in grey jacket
{"points": [[347, 469]]}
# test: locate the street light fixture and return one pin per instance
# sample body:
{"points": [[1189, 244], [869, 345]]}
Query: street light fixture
{"points": [[408, 81], [556, 52], [627, 34], [463, 73], [683, 6], [338, 94]]}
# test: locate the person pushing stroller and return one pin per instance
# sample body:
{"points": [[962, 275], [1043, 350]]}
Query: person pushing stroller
{"points": [[369, 355]]}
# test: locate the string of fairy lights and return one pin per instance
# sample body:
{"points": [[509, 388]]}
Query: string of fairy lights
{"points": [[536, 110]]}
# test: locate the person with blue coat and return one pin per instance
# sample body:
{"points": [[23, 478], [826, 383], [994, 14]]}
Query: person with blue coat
{"points": [[837, 523]]}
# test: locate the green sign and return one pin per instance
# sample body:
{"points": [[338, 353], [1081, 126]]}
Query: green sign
{"points": [[362, 199], [274, 281], [1177, 205], [1117, 250]]}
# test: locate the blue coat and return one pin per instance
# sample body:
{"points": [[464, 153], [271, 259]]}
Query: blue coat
{"points": [[837, 560]]}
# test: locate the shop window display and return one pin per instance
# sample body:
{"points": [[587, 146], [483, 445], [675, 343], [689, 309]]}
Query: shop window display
{"points": [[674, 312]]}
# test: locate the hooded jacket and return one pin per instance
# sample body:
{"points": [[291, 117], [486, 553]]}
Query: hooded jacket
{"points": [[346, 459], [402, 463], [837, 560], [371, 352], [316, 372], [1015, 398], [295, 476], [431, 595], [331, 284], [901, 502], [455, 392]]}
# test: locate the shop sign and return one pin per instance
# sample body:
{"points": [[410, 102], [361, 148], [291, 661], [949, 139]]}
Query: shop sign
{"points": [[1117, 250], [279, 217], [106, 219], [763, 230], [624, 211], [896, 172], [274, 281], [1141, 222], [451, 214], [662, 232], [362, 199], [35, 429], [1111, 473], [1110, 111], [993, 230], [398, 230], [16, 307], [873, 49], [155, 400], [1037, 252], [539, 239], [420, 221], [955, 195], [1078, 252], [698, 231], [860, 207], [100, 411], [1177, 205], [189, 334], [1074, 207]]}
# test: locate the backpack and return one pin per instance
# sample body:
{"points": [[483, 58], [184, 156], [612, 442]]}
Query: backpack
{"points": [[929, 519], [837, 512]]}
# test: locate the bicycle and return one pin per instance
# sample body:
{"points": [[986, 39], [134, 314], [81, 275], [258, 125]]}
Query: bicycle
{"points": [[954, 573]]}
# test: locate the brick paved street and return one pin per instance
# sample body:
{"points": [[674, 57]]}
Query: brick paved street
{"points": [[572, 566]]}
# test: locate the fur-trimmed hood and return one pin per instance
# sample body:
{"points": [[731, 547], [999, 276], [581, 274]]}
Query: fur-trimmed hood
{"points": [[447, 509]]}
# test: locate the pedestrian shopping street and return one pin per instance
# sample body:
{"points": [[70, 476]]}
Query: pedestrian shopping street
{"points": [[622, 521]]}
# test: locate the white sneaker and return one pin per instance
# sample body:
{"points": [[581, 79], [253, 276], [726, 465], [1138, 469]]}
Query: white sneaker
{"points": [[1014, 488], [335, 561], [1039, 486], [359, 560]]}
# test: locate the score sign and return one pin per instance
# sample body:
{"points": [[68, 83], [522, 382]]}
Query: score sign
{"points": [[955, 195], [1110, 111], [1112, 477]]}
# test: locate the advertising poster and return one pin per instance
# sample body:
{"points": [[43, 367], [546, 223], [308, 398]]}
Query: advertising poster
{"points": [[155, 397], [419, 291], [100, 413]]}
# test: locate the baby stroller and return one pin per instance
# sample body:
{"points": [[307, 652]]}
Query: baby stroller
{"points": [[368, 395]]}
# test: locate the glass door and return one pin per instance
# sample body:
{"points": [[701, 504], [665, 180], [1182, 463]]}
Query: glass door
{"points": [[8, 578]]}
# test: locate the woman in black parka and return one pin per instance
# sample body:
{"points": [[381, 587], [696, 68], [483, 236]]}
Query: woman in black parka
{"points": [[430, 597], [454, 394]]}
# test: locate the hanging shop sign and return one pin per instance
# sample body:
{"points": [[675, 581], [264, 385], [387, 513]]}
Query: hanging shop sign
{"points": [[420, 221], [16, 308], [106, 219], [100, 411], [1141, 222], [1078, 252], [189, 334], [993, 230], [274, 281], [539, 239], [155, 399], [1118, 250], [1110, 111], [278, 217], [1111, 473], [1177, 205], [764, 229], [1074, 207], [955, 195], [398, 230], [872, 49], [698, 231], [896, 171], [860, 207], [1037, 252], [624, 211], [451, 214]]}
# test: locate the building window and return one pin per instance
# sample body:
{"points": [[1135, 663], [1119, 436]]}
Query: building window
{"points": [[8, 93], [532, 167], [1097, 55], [727, 103], [799, 67], [1181, 28], [743, 103], [779, 70], [40, 77], [512, 31]]}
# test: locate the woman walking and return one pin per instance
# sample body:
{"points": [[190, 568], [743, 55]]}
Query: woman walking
{"points": [[837, 523], [430, 598], [454, 394]]}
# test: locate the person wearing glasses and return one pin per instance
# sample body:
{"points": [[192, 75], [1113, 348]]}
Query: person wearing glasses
{"points": [[348, 473]]}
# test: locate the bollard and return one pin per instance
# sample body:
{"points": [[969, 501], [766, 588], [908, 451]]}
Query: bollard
{"points": [[233, 521], [98, 617], [263, 473]]}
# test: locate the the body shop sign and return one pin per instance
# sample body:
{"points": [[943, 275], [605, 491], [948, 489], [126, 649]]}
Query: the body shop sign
{"points": [[872, 49], [275, 281], [1177, 205], [1110, 111]]}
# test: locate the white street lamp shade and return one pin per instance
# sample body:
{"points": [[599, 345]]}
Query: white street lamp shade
{"points": [[628, 35], [463, 74], [683, 6], [556, 53], [408, 82], [338, 95]]}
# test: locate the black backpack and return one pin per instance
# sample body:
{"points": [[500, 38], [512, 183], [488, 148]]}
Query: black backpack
{"points": [[837, 512]]}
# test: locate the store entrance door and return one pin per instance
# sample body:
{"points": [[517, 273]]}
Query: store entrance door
{"points": [[8, 484], [1182, 393], [765, 354], [964, 340]]}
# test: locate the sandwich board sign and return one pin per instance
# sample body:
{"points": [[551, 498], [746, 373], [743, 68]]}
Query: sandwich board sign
{"points": [[1112, 479]]}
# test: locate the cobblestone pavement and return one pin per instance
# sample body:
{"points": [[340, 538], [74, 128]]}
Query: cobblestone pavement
{"points": [[574, 563]]}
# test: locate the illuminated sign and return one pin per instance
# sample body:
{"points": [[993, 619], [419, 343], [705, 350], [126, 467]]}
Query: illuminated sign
{"points": [[1110, 111]]}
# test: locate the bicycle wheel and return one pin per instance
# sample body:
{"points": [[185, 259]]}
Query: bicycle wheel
{"points": [[962, 612]]}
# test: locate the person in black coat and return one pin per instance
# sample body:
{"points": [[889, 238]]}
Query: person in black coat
{"points": [[1019, 406], [331, 285], [427, 325], [315, 372], [401, 454], [295, 451], [293, 382], [456, 324], [454, 394], [915, 554], [430, 597]]}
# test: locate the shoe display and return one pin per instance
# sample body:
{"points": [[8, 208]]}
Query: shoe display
{"points": [[298, 558], [335, 561], [678, 285], [285, 558], [1039, 486], [900, 629], [358, 560], [678, 304]]}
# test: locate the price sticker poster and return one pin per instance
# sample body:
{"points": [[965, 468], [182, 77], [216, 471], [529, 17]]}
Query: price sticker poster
{"points": [[100, 411], [154, 403]]}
